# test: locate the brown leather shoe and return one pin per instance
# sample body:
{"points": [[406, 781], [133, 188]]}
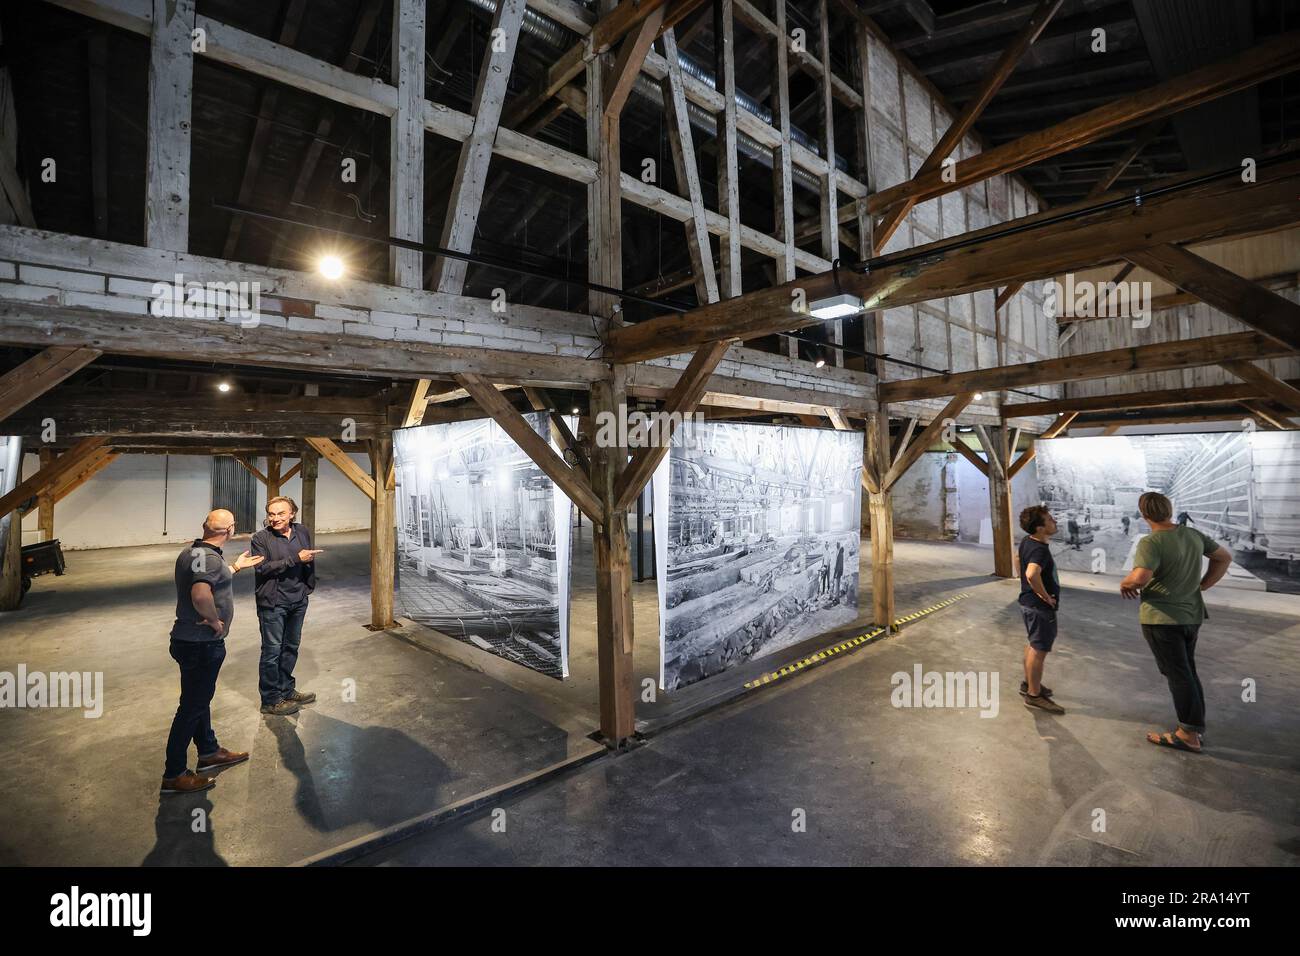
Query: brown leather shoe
{"points": [[281, 708], [188, 782], [299, 698], [221, 759]]}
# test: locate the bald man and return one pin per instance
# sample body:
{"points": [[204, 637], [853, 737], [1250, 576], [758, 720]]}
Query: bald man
{"points": [[205, 606]]}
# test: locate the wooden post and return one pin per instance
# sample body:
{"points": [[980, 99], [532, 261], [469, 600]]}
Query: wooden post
{"points": [[307, 506], [613, 578], [383, 539], [881, 506], [167, 169], [274, 463], [999, 500], [11, 563], [45, 503], [782, 171], [406, 142]]}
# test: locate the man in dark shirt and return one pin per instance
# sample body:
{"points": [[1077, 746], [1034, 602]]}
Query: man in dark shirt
{"points": [[1040, 590], [205, 608], [284, 580]]}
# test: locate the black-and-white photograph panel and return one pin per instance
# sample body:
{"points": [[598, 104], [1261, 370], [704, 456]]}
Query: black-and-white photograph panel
{"points": [[1241, 488], [483, 541], [759, 549]]}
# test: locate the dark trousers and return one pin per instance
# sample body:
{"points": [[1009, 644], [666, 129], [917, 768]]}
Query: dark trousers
{"points": [[281, 629], [1174, 648], [200, 663]]}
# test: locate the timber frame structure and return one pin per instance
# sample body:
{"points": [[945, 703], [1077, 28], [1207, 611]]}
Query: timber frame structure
{"points": [[427, 329]]}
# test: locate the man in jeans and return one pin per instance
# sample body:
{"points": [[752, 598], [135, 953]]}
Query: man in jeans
{"points": [[205, 607], [284, 581], [1167, 574]]}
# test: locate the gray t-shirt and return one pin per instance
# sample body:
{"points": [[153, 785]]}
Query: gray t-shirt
{"points": [[202, 562]]}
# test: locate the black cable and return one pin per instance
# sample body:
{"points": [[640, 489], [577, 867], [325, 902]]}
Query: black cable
{"points": [[476, 258]]}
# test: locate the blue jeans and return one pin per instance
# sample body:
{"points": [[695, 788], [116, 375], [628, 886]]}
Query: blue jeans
{"points": [[281, 628], [200, 663]]}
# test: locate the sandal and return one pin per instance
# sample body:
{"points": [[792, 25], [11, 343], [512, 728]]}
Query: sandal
{"points": [[1171, 740]]}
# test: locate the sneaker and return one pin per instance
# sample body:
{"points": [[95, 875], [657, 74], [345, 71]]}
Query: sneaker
{"points": [[298, 697], [1043, 702], [222, 758], [1043, 689], [187, 782], [281, 709]]}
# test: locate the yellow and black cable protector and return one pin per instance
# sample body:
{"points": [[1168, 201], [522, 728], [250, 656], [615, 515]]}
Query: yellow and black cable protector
{"points": [[850, 644]]}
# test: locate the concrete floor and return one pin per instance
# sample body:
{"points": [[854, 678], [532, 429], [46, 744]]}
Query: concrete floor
{"points": [[435, 721]]}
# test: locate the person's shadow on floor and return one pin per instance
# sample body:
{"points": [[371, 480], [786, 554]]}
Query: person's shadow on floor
{"points": [[183, 832]]}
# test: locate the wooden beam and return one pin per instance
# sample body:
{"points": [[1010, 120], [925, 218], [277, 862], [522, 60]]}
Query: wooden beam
{"points": [[1203, 395], [608, 30], [1273, 57], [631, 57], [927, 438], [167, 164], [1226, 291], [461, 221], [1268, 385], [39, 374], [417, 404], [782, 171], [724, 46], [95, 463], [992, 82], [969, 454], [1159, 356], [685, 398], [880, 507], [310, 462], [286, 476], [688, 174], [383, 536], [45, 503], [1059, 426], [1000, 500], [406, 143], [340, 460], [904, 438], [537, 448], [50, 475], [560, 431], [251, 468], [1260, 410], [1045, 244], [613, 567]]}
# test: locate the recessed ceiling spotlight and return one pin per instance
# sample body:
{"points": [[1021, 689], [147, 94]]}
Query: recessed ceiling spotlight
{"points": [[223, 386]]}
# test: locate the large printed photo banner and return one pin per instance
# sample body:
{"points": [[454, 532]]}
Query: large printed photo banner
{"points": [[483, 541], [757, 548], [1241, 488]]}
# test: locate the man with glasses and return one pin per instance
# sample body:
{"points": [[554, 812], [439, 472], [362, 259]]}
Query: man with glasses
{"points": [[205, 608]]}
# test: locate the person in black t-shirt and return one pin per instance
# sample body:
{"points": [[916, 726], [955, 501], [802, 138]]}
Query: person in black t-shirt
{"points": [[1040, 590]]}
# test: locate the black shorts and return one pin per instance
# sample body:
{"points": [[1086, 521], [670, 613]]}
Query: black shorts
{"points": [[1041, 626]]}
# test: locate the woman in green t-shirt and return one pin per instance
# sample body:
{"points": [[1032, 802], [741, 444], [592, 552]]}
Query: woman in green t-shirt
{"points": [[1167, 575]]}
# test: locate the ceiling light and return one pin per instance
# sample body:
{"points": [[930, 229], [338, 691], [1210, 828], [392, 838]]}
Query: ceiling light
{"points": [[330, 266], [979, 396], [223, 386], [821, 362], [837, 306]]}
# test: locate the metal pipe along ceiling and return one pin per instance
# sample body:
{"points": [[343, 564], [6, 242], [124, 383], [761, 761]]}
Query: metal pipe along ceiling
{"points": [[559, 38]]}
